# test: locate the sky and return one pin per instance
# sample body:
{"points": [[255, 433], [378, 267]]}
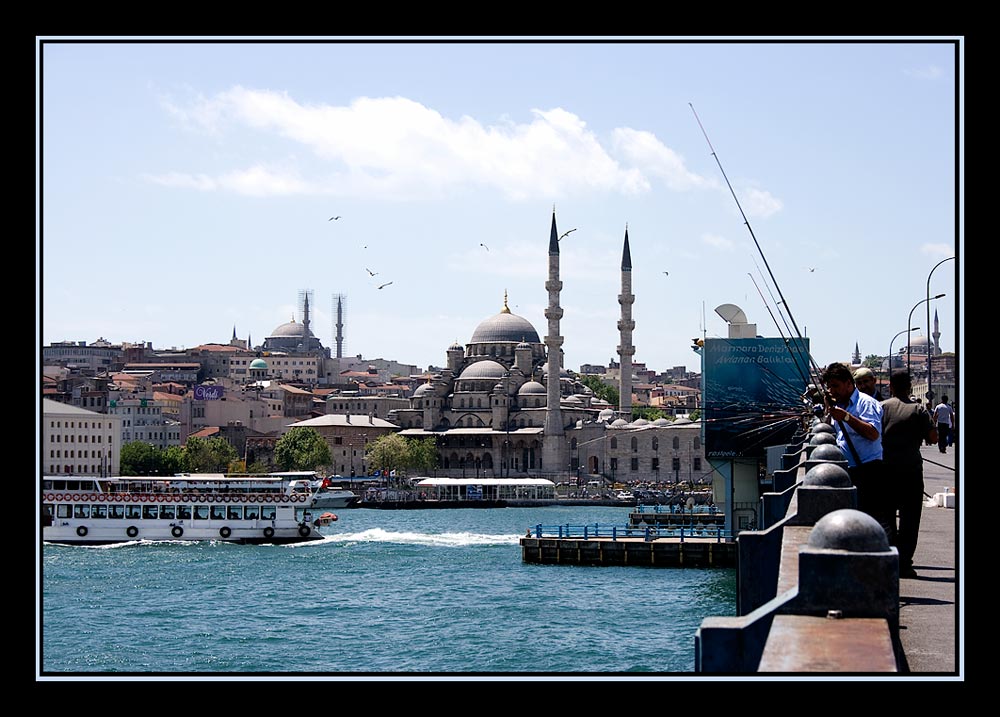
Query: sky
{"points": [[186, 189]]}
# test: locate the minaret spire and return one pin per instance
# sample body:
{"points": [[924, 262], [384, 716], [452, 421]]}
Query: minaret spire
{"points": [[625, 325], [554, 448], [936, 335]]}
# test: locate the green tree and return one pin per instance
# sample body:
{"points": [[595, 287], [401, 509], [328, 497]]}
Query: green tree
{"points": [[695, 414], [211, 455], [872, 361], [140, 459], [601, 389], [389, 452], [649, 413], [422, 455], [302, 449], [174, 460]]}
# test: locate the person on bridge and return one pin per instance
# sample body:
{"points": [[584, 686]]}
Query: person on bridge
{"points": [[944, 415], [905, 426], [857, 419]]}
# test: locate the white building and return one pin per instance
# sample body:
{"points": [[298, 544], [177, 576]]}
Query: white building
{"points": [[76, 441]]}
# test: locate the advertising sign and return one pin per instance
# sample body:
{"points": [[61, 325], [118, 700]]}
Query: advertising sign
{"points": [[207, 393], [752, 397]]}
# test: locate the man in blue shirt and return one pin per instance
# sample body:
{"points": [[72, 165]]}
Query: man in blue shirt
{"points": [[857, 418]]}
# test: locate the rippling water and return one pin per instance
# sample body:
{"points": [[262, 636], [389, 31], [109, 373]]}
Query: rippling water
{"points": [[402, 592]]}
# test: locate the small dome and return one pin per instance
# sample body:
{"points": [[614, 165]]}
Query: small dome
{"points": [[483, 369], [640, 422], [291, 329], [258, 363], [573, 401], [605, 415], [619, 423], [456, 347], [563, 373], [523, 345], [531, 387], [661, 422], [422, 390], [682, 421]]}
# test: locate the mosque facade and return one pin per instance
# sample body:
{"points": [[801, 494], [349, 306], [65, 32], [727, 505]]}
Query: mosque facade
{"points": [[504, 406]]}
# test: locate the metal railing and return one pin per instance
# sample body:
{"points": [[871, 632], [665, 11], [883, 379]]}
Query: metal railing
{"points": [[648, 533]]}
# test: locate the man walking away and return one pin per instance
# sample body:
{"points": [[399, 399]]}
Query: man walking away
{"points": [[943, 416], [905, 426]]}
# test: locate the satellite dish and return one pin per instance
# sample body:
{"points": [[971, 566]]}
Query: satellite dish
{"points": [[731, 313]]}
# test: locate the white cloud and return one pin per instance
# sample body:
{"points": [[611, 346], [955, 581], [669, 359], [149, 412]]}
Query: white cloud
{"points": [[931, 72], [760, 203], [937, 251], [714, 240], [394, 146], [647, 152]]}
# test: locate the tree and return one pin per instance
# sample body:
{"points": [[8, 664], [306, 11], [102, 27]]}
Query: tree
{"points": [[422, 455], [211, 455], [601, 389], [695, 414], [649, 413], [388, 452], [873, 362], [302, 449], [140, 459]]}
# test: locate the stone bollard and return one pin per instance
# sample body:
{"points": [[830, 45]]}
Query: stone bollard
{"points": [[822, 453], [826, 487], [822, 428], [848, 565]]}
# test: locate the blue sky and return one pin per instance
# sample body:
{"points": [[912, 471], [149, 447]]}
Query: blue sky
{"points": [[186, 188]]}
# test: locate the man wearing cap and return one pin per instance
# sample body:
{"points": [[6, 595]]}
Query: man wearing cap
{"points": [[864, 379]]}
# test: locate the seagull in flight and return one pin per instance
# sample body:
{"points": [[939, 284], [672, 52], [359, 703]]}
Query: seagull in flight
{"points": [[667, 273], [332, 218], [370, 272], [385, 285], [565, 233], [484, 246], [811, 269]]}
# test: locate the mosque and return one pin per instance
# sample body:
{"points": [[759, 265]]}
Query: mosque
{"points": [[505, 406]]}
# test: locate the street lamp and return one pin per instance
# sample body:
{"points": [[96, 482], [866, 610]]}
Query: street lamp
{"points": [[888, 367], [922, 301], [930, 393]]}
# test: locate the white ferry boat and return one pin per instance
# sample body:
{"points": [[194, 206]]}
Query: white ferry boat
{"points": [[244, 509], [325, 493]]}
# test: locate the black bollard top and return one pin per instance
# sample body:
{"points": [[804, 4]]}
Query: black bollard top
{"points": [[822, 428], [827, 475], [820, 439], [848, 529]]}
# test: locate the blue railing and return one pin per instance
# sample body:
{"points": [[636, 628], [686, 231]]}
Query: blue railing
{"points": [[649, 532], [676, 509]]}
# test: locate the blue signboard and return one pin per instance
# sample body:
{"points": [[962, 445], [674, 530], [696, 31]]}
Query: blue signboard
{"points": [[752, 397]]}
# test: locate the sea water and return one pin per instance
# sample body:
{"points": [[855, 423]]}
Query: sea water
{"points": [[385, 593]]}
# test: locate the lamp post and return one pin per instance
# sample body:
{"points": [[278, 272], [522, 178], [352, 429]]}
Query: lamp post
{"points": [[908, 319], [888, 366], [930, 393]]}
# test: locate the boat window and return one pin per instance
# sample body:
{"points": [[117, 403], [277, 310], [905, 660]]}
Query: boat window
{"points": [[99, 511], [234, 512], [133, 512], [116, 510], [251, 512], [149, 512], [267, 512], [218, 512], [183, 512], [81, 511], [64, 510], [201, 512], [167, 512]]}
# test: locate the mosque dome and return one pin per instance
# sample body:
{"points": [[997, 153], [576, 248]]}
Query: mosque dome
{"points": [[421, 390], [640, 422], [531, 387], [291, 330], [483, 369], [563, 372], [505, 327], [523, 345], [661, 422], [572, 401], [605, 415], [258, 363], [619, 423], [456, 347], [682, 421]]}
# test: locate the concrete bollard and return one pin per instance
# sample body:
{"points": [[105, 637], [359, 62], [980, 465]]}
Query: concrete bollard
{"points": [[826, 487], [848, 565]]}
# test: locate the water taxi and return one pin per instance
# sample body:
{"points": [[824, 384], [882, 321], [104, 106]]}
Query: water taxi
{"points": [[247, 509]]}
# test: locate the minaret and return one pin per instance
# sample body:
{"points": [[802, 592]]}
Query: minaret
{"points": [[305, 316], [554, 447], [625, 325], [340, 327], [936, 335], [856, 358]]}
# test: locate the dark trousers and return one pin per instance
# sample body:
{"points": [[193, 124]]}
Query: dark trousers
{"points": [[908, 491], [875, 495], [944, 430]]}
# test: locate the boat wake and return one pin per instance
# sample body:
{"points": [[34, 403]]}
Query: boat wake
{"points": [[447, 540]]}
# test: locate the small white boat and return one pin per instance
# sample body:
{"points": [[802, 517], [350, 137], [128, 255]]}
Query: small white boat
{"points": [[325, 494], [245, 509]]}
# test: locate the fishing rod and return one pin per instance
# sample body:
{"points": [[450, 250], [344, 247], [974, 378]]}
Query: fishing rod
{"points": [[756, 362], [752, 235], [805, 378]]}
